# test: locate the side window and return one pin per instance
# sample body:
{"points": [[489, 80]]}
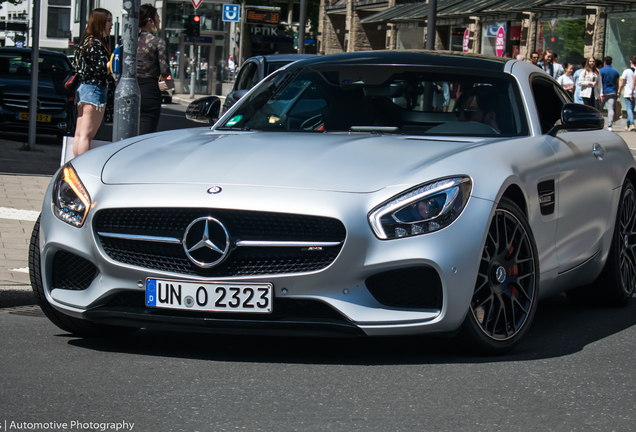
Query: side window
{"points": [[548, 102], [246, 76]]}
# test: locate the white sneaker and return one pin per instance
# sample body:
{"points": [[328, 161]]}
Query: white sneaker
{"points": [[609, 128]]}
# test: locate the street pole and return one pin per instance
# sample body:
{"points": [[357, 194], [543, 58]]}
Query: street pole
{"points": [[301, 26], [82, 17], [127, 97], [242, 27], [430, 25], [35, 54], [194, 67]]}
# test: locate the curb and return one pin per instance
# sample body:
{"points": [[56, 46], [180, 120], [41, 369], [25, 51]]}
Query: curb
{"points": [[16, 295]]}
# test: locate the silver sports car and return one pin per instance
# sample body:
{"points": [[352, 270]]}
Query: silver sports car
{"points": [[364, 194]]}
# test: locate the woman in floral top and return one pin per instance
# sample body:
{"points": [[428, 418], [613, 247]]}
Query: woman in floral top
{"points": [[152, 63], [91, 64]]}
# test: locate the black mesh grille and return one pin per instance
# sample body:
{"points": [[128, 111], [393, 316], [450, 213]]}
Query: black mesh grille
{"points": [[284, 309], [414, 287], [242, 225], [72, 272]]}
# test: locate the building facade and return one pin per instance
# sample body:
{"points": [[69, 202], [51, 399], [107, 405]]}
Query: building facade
{"points": [[575, 29]]}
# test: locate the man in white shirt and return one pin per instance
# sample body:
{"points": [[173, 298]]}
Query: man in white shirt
{"points": [[627, 83]]}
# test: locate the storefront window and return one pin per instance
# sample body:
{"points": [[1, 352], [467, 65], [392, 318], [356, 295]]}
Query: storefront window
{"points": [[173, 42], [620, 42], [489, 38], [564, 36], [410, 38], [457, 38]]}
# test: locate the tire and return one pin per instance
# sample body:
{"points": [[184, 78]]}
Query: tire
{"points": [[505, 298], [73, 325], [615, 285]]}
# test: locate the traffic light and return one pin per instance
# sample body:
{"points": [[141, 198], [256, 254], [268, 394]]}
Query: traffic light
{"points": [[196, 26]]}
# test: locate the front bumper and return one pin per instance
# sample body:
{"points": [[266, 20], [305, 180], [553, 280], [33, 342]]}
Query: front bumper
{"points": [[334, 300]]}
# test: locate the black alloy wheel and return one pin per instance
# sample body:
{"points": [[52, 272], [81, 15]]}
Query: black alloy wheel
{"points": [[616, 283], [626, 240], [506, 293]]}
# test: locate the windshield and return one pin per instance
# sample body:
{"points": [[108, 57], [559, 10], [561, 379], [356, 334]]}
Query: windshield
{"points": [[18, 65], [383, 99]]}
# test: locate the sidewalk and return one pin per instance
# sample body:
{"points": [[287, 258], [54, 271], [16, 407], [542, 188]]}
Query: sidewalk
{"points": [[24, 177]]}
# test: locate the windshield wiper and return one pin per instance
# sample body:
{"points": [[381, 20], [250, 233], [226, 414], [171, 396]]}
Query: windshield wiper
{"points": [[375, 129]]}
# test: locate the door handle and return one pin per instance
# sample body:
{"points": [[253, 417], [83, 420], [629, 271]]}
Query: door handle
{"points": [[599, 151]]}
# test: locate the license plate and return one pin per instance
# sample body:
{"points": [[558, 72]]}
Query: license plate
{"points": [[209, 296], [43, 118]]}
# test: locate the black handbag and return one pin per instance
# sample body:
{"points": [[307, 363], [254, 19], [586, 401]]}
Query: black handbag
{"points": [[71, 82]]}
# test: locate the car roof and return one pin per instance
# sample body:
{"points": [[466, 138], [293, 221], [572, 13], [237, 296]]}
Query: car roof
{"points": [[281, 57], [411, 57], [28, 51]]}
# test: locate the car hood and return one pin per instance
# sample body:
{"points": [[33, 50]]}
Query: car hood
{"points": [[335, 162]]}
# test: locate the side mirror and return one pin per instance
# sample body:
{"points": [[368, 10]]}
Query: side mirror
{"points": [[578, 117], [204, 110], [239, 94]]}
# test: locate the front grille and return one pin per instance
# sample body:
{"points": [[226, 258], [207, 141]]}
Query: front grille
{"points": [[72, 272], [284, 309], [48, 105], [415, 287], [242, 225]]}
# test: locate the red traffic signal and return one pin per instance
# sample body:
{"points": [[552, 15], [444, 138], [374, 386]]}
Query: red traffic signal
{"points": [[196, 26]]}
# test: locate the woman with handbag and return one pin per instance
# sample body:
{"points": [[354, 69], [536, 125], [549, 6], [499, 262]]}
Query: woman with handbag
{"points": [[91, 65], [591, 84], [153, 69]]}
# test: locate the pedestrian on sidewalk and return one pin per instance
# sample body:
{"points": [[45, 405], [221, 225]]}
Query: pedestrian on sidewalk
{"points": [[627, 83], [91, 64], [591, 83], [152, 69], [567, 79], [609, 76], [534, 58], [577, 85], [549, 67]]}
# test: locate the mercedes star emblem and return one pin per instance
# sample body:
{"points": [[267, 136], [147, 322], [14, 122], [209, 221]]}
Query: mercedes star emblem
{"points": [[215, 190], [206, 242]]}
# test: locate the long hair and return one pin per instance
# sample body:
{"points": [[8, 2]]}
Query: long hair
{"points": [[95, 27], [588, 68]]}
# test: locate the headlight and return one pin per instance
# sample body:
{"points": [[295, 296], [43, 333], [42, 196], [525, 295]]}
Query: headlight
{"points": [[424, 209], [71, 202]]}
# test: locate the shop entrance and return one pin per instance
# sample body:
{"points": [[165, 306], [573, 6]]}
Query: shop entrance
{"points": [[182, 64]]}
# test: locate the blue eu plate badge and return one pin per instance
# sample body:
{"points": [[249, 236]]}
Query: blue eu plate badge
{"points": [[151, 292]]}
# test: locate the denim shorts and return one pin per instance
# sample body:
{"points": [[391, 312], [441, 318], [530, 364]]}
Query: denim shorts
{"points": [[91, 94]]}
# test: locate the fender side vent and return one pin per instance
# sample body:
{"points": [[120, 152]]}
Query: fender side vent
{"points": [[547, 197]]}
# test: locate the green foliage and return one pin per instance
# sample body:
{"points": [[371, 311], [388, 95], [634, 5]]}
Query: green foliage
{"points": [[569, 39]]}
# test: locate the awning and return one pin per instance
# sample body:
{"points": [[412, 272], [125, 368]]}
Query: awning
{"points": [[467, 8], [341, 4], [392, 12]]}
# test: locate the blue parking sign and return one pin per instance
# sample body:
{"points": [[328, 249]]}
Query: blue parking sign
{"points": [[231, 12]]}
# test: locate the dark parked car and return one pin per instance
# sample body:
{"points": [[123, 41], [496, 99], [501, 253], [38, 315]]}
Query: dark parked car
{"points": [[254, 70], [55, 111]]}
